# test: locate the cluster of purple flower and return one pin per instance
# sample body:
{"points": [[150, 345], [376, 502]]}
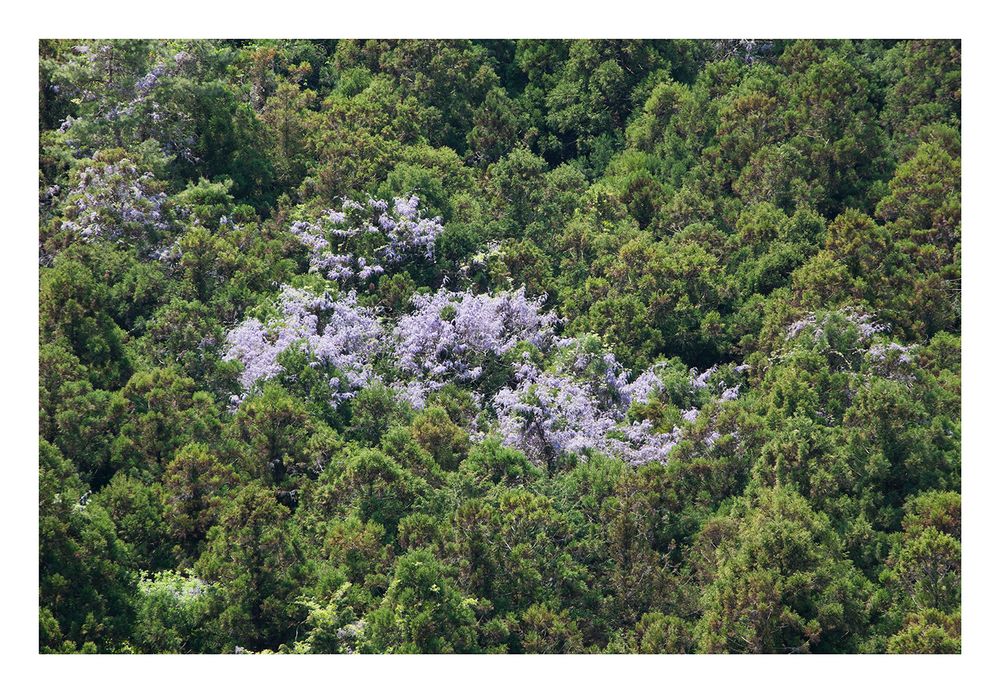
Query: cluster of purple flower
{"points": [[115, 202], [549, 414], [578, 403], [336, 333], [451, 334], [575, 407], [145, 84], [169, 254], [865, 323], [891, 360], [605, 379], [638, 444], [645, 386], [397, 231]]}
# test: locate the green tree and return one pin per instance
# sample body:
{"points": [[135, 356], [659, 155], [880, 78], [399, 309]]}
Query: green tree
{"points": [[780, 581], [85, 586], [252, 556], [423, 611]]}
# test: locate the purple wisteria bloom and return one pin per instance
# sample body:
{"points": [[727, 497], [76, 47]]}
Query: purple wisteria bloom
{"points": [[645, 386], [548, 415], [638, 444], [340, 241], [450, 334], [116, 202], [891, 360], [816, 325], [336, 333], [700, 380], [586, 360]]}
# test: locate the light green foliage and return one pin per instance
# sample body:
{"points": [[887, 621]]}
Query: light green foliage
{"points": [[172, 614]]}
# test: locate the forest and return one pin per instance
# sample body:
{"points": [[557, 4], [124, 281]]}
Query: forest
{"points": [[499, 346]]}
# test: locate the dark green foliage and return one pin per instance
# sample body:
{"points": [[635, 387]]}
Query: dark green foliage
{"points": [[73, 311], [86, 585], [253, 555], [423, 611], [779, 581]]}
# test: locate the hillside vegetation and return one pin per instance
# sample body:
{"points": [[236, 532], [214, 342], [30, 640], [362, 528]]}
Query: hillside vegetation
{"points": [[500, 346]]}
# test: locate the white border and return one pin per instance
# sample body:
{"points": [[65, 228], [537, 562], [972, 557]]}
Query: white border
{"points": [[24, 24]]}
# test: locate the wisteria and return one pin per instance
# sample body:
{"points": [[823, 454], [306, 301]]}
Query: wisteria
{"points": [[580, 403], [551, 414], [577, 404], [815, 325], [638, 444], [548, 415], [336, 333], [890, 352], [645, 386], [730, 393], [169, 254], [649, 384], [115, 201], [146, 83], [450, 334], [700, 380], [891, 360], [585, 359], [361, 240]]}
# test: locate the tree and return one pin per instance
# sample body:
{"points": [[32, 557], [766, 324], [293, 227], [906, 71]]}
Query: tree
{"points": [[163, 412], [780, 581], [375, 485], [173, 614], [423, 611], [928, 632], [253, 558], [195, 485], [73, 310], [445, 441], [280, 440], [140, 520], [85, 585], [927, 569]]}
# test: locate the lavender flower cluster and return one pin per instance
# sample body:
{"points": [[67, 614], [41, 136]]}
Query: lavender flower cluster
{"points": [[578, 403], [115, 201], [815, 325], [336, 333], [549, 414], [574, 407], [398, 232], [891, 360], [605, 379], [450, 334], [638, 444]]}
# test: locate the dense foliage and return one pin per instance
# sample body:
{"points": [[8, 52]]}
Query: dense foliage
{"points": [[499, 346]]}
